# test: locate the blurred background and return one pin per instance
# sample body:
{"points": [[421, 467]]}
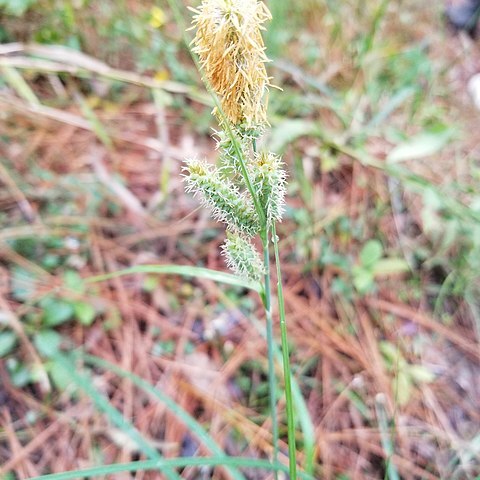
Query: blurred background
{"points": [[377, 121]]}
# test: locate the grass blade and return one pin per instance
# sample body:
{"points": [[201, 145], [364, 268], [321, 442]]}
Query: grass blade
{"points": [[18, 83], [178, 411], [170, 463], [114, 416], [182, 270], [386, 437]]}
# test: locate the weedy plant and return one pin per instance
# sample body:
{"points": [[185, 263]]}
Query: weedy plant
{"points": [[246, 191]]}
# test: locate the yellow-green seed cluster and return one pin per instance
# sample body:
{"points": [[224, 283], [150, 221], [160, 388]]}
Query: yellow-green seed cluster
{"points": [[269, 180], [228, 204], [242, 257]]}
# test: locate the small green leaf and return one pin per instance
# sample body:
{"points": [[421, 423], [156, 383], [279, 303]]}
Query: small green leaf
{"points": [[20, 375], [23, 284], [57, 312], [422, 145], [8, 340], [288, 131], [391, 354], [47, 342], [74, 281], [371, 253], [402, 387], [150, 283], [363, 279], [84, 312], [60, 376]]}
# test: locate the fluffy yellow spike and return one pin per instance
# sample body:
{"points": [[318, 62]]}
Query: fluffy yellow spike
{"points": [[230, 46]]}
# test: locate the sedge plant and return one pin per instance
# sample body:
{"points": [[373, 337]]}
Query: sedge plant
{"points": [[246, 190]]}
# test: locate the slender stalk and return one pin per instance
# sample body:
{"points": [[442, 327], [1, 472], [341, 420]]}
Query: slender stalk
{"points": [[292, 450], [265, 237], [272, 381], [267, 303]]}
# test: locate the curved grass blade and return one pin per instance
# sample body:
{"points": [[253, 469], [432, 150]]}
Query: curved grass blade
{"points": [[184, 271], [113, 415], [170, 463], [178, 411]]}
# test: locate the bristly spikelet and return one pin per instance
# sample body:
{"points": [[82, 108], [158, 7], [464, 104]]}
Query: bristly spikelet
{"points": [[220, 194], [229, 153], [242, 257], [269, 182], [230, 46]]}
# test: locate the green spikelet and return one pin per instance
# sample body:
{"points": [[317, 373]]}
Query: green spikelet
{"points": [[269, 181], [242, 257], [222, 196], [229, 153]]}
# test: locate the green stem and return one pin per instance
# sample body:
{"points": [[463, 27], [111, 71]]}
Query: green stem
{"points": [[272, 381], [292, 450]]}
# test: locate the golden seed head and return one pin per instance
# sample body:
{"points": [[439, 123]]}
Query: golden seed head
{"points": [[230, 46]]}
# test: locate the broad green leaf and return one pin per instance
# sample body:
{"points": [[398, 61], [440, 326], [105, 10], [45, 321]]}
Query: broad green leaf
{"points": [[20, 375]]}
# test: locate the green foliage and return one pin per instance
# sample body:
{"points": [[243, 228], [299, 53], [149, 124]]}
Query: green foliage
{"points": [[8, 340], [55, 311], [119, 32], [20, 374], [405, 375], [47, 342], [372, 265], [16, 7], [422, 145]]}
